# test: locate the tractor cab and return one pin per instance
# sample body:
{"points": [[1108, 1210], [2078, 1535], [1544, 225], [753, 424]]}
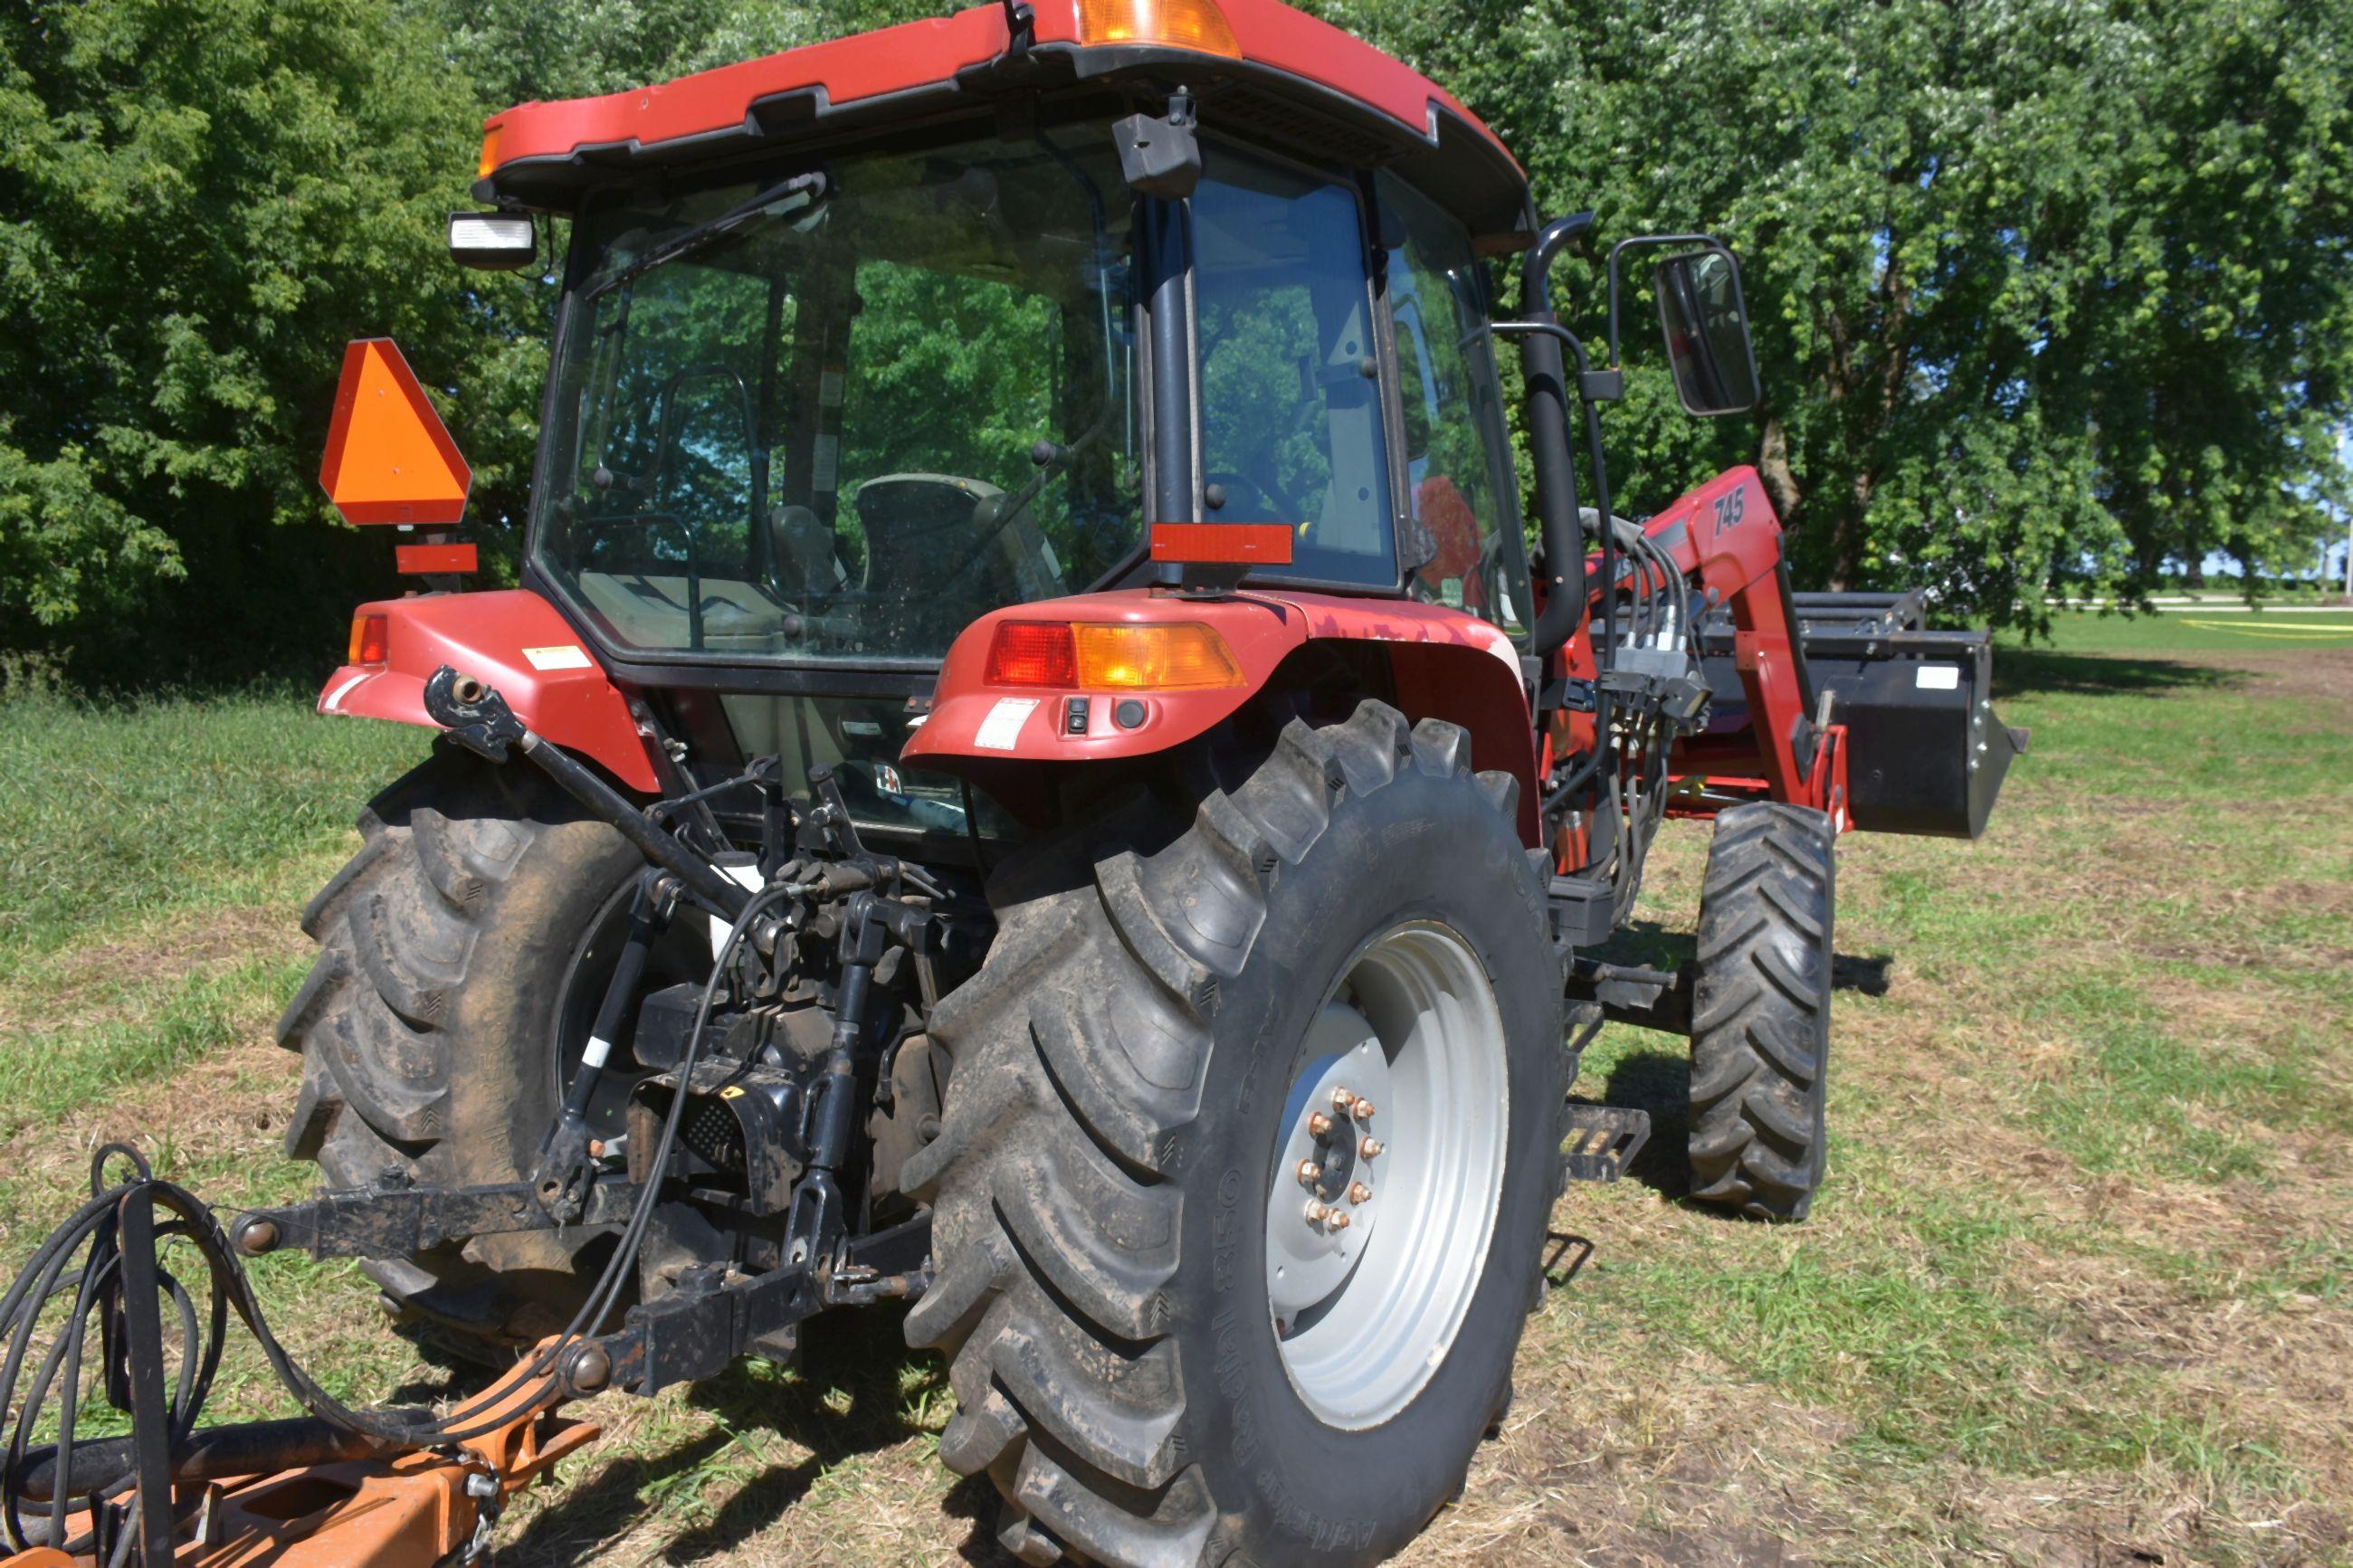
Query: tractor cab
{"points": [[834, 379]]}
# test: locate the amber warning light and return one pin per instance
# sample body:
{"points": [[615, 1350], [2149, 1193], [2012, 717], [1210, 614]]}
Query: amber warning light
{"points": [[1175, 23], [1178, 655]]}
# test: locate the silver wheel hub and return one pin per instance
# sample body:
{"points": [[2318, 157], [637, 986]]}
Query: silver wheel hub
{"points": [[1388, 1171], [1316, 1225]]}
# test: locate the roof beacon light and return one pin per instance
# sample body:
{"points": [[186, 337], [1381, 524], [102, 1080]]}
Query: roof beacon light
{"points": [[1196, 25], [492, 135]]}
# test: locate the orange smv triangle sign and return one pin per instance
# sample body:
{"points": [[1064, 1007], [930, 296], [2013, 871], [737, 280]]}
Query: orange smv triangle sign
{"points": [[389, 456]]}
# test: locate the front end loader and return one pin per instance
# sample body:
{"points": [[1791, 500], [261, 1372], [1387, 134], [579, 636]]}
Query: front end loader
{"points": [[1032, 777]]}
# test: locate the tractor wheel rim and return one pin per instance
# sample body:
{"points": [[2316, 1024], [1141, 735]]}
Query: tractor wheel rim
{"points": [[1366, 1311]]}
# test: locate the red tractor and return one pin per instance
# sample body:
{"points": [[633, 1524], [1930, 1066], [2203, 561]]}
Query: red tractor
{"points": [[1030, 776]]}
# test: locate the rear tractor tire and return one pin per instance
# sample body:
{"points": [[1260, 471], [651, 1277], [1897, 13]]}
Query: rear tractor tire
{"points": [[461, 951], [1246, 1156], [1761, 1013]]}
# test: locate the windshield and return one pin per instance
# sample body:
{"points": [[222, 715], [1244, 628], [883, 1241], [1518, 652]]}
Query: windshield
{"points": [[838, 413]]}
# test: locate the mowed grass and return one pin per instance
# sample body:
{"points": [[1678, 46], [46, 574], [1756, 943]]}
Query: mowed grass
{"points": [[2080, 1289]]}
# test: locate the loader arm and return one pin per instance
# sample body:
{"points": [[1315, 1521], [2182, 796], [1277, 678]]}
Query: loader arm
{"points": [[1851, 706], [1726, 541]]}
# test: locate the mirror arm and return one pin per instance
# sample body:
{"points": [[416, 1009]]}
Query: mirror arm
{"points": [[1564, 542], [1535, 267]]}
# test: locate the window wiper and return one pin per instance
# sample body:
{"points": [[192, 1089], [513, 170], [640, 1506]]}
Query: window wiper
{"points": [[776, 201]]}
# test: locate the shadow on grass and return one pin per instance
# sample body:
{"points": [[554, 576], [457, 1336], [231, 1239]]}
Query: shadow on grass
{"points": [[1658, 1081], [2023, 672], [853, 1397], [1648, 945]]}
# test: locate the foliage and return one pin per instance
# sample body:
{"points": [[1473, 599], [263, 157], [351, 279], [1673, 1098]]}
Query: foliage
{"points": [[203, 202], [2048, 294]]}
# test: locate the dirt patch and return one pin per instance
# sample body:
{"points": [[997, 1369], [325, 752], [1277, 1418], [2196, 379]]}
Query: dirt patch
{"points": [[1693, 1468], [2311, 674], [222, 1107], [2125, 1522]]}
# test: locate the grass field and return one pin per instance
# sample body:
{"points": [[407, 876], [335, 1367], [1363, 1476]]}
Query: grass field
{"points": [[2080, 1289]]}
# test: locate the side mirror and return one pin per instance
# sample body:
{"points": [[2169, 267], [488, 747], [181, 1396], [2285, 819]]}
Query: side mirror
{"points": [[1706, 322]]}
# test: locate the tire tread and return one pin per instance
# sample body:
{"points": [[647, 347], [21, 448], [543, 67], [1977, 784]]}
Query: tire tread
{"points": [[1761, 1015]]}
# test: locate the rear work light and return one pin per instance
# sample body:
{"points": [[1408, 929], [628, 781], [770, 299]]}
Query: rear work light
{"points": [[1196, 25], [371, 640], [493, 242], [1179, 656]]}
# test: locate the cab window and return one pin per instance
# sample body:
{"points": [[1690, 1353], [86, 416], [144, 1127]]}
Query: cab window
{"points": [[1464, 547], [1290, 403]]}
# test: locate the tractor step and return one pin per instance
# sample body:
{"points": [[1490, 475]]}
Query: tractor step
{"points": [[1603, 1141]]}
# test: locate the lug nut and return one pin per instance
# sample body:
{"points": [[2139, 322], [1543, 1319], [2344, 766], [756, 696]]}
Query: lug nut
{"points": [[1320, 1125], [1339, 1222], [1310, 1172], [1371, 1148], [1359, 1193], [1342, 1100], [1362, 1109], [1317, 1214]]}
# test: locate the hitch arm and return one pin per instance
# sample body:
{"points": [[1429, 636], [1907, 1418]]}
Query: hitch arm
{"points": [[398, 1222], [475, 717]]}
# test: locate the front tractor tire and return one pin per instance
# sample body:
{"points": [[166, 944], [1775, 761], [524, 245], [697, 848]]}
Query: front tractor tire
{"points": [[1158, 1357], [1761, 1011], [473, 931]]}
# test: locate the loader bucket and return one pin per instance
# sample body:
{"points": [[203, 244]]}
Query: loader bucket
{"points": [[1926, 754]]}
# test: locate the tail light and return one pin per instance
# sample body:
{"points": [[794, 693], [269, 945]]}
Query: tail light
{"points": [[371, 640], [1181, 656], [1033, 653]]}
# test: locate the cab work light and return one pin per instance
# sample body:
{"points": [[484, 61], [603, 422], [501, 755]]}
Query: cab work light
{"points": [[371, 640], [1182, 656], [492, 242], [1194, 24]]}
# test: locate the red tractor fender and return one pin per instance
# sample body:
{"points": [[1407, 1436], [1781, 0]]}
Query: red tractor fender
{"points": [[511, 639], [1444, 664]]}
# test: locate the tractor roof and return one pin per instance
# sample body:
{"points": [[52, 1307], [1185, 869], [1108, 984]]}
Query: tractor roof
{"points": [[1260, 69]]}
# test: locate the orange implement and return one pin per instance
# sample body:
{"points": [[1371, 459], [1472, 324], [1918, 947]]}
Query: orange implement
{"points": [[409, 1510]]}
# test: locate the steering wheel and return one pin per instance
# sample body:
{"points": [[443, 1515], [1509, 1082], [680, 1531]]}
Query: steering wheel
{"points": [[1283, 507]]}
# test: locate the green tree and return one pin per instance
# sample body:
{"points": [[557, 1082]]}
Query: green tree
{"points": [[204, 203], [2046, 292]]}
